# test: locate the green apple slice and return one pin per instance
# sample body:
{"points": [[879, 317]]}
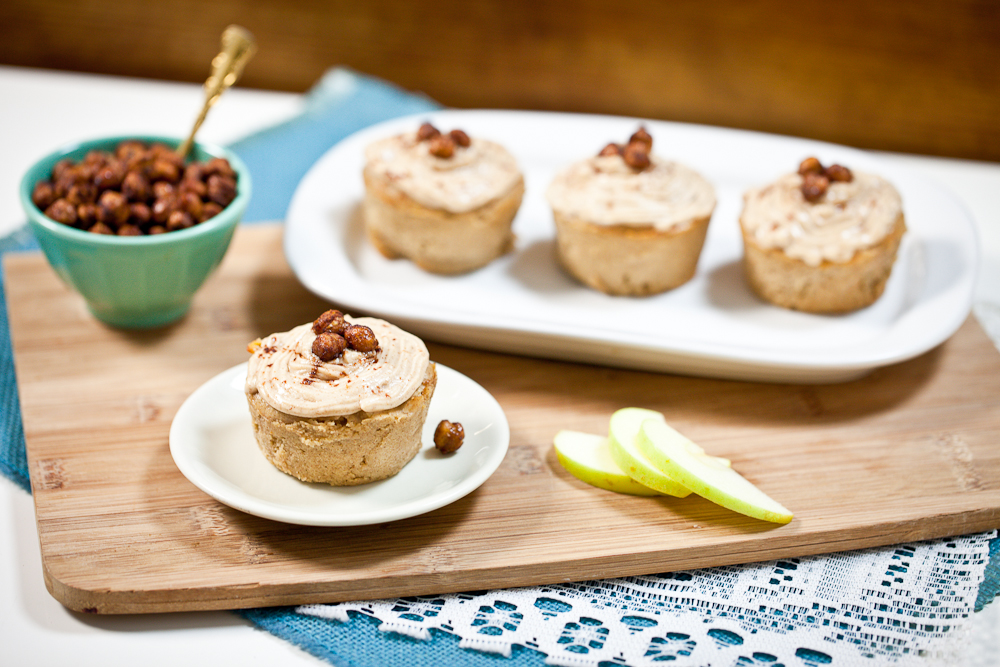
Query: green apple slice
{"points": [[671, 452], [588, 458], [623, 431]]}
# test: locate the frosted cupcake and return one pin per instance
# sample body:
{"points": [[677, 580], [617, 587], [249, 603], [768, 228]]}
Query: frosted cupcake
{"points": [[629, 222], [823, 239], [445, 201], [340, 400]]}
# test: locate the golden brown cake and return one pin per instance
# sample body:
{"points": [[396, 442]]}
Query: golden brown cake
{"points": [[341, 400], [444, 201], [822, 240], [629, 222]]}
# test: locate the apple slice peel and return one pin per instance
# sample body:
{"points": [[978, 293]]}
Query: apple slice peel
{"points": [[672, 453], [623, 433], [588, 458]]}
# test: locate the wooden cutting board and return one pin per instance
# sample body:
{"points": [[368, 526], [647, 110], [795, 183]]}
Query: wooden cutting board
{"points": [[907, 453]]}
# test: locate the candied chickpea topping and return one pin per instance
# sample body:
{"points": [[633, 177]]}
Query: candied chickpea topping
{"points": [[427, 131], [442, 145], [448, 436], [635, 153], [816, 178], [328, 346], [611, 149], [135, 189], [836, 172], [331, 320], [334, 334], [810, 165], [361, 338], [460, 138], [814, 186], [642, 136]]}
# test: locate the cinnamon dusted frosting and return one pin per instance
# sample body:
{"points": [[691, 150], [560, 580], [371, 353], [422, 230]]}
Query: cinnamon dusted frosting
{"points": [[604, 190], [472, 177], [848, 218], [291, 379]]}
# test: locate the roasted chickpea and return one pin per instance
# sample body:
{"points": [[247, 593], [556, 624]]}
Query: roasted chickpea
{"points": [[610, 150], [810, 165], [814, 186], [179, 220], [62, 211], [44, 194], [836, 172], [209, 210], [427, 131], [460, 138], [442, 146], [361, 338], [135, 189], [636, 155], [643, 137], [328, 346], [331, 320], [448, 436], [113, 208]]}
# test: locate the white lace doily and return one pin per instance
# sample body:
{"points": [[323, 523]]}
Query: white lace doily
{"points": [[909, 604], [905, 605]]}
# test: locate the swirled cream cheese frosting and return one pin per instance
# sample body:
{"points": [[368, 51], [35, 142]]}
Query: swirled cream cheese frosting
{"points": [[851, 216], [472, 177], [604, 190], [293, 380]]}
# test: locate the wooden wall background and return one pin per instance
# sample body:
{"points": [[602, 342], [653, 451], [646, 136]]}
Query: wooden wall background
{"points": [[921, 76]]}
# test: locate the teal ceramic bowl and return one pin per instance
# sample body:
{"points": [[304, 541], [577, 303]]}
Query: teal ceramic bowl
{"points": [[135, 282]]}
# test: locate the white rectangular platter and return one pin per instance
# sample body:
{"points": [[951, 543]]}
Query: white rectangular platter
{"points": [[712, 326]]}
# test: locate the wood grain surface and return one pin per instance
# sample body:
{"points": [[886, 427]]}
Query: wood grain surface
{"points": [[906, 453], [919, 76]]}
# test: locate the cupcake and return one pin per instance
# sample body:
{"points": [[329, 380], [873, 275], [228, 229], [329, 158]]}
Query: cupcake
{"points": [[341, 400], [629, 222], [444, 201], [823, 239]]}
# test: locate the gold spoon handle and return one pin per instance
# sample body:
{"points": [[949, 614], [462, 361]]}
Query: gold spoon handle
{"points": [[238, 45]]}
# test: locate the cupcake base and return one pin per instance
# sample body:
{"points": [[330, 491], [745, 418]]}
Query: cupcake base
{"points": [[831, 287], [439, 241], [626, 260], [346, 450]]}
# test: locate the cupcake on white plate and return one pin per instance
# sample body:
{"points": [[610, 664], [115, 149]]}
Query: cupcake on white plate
{"points": [[629, 222], [821, 239], [340, 400], [446, 201]]}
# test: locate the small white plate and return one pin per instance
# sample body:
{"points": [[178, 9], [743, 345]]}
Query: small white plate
{"points": [[212, 442], [713, 325]]}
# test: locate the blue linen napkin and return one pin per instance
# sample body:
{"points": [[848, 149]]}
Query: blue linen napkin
{"points": [[341, 103], [13, 458]]}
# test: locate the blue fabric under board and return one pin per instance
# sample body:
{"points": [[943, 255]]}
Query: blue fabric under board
{"points": [[359, 643], [13, 459], [342, 103]]}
